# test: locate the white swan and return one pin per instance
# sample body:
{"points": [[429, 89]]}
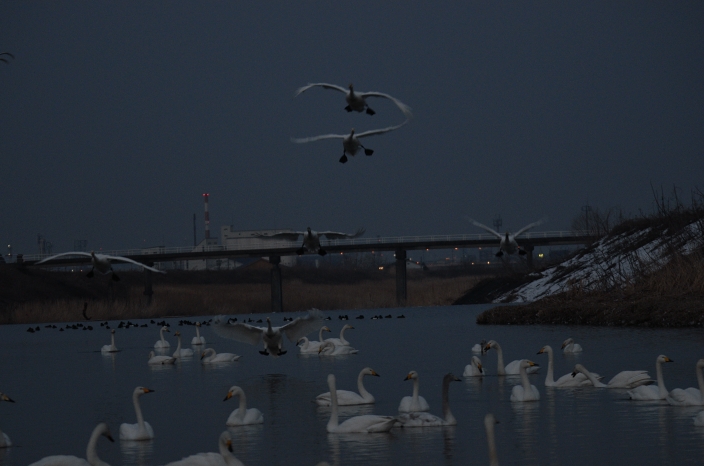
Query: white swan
{"points": [[567, 380], [159, 360], [91, 454], [271, 337], [329, 349], [512, 368], [348, 398], [356, 101], [489, 422], [4, 439], [689, 396], [101, 262], [309, 347], [652, 392], [217, 357], [474, 369], [624, 379], [479, 347], [142, 430], [415, 403], [111, 348], [162, 343], [311, 238], [525, 391], [242, 416], [699, 419], [198, 340], [341, 341], [508, 242], [224, 458], [181, 352], [430, 420], [365, 423], [350, 142], [569, 346]]}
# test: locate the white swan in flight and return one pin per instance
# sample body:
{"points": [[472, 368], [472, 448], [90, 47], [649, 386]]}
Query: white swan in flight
{"points": [[341, 341], [310, 347], [111, 348], [652, 392], [474, 368], [512, 368], [161, 343], [223, 458], [91, 454], [489, 422], [142, 430], [689, 396], [181, 352], [508, 242], [624, 379], [356, 101], [242, 416], [430, 420], [101, 262], [350, 142], [569, 346], [328, 348], [271, 337], [414, 403], [349, 398], [567, 380], [311, 238], [364, 423], [4, 439], [198, 340], [160, 360], [525, 391], [215, 358]]}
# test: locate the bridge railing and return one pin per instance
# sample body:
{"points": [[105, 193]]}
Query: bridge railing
{"points": [[278, 244]]}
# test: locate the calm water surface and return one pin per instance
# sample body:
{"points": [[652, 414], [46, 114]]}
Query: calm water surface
{"points": [[63, 386]]}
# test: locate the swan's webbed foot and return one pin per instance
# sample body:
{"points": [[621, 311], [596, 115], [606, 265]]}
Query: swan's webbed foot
{"points": [[499, 254], [521, 252], [115, 278], [265, 353], [368, 151], [370, 112], [348, 108], [343, 159], [90, 274], [282, 352], [300, 251], [322, 251]]}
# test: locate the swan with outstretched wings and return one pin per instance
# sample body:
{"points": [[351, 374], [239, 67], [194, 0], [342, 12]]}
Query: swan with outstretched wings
{"points": [[101, 262], [357, 101], [311, 238], [508, 242]]}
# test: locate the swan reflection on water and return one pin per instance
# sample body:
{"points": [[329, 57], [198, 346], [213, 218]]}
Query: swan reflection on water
{"points": [[372, 448], [137, 452]]}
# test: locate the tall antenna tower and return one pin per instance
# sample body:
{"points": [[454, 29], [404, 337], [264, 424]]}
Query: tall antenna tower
{"points": [[207, 216]]}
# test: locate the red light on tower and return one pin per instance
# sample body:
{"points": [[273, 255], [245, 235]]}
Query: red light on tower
{"points": [[207, 216]]}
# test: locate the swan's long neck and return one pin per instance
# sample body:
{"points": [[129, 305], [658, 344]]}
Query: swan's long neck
{"points": [[229, 458], [416, 389], [197, 332], [501, 370], [360, 386], [550, 378], [320, 335], [178, 347], [333, 422], [212, 354], [493, 457], [243, 405], [112, 340], [592, 379], [449, 418], [342, 336], [161, 334], [138, 409], [662, 391], [700, 379], [305, 344], [91, 453], [524, 378]]}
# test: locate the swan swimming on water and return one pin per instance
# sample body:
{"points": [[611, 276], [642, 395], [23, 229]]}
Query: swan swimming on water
{"points": [[4, 439], [350, 142], [349, 398], [357, 101], [414, 403], [341, 341], [101, 262], [111, 348], [512, 368], [91, 454], [223, 458], [367, 423], [271, 337], [311, 239], [329, 349], [181, 352], [430, 420], [508, 242], [242, 416], [569, 346], [525, 391], [689, 396], [198, 340], [309, 347], [489, 422], [160, 360], [162, 343], [567, 380], [652, 392], [217, 357], [474, 369], [141, 430], [624, 379]]}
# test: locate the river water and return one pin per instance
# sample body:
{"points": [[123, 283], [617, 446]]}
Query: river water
{"points": [[63, 386]]}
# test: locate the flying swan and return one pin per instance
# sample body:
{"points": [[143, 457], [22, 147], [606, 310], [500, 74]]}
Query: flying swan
{"points": [[525, 391], [508, 242], [689, 396], [350, 142], [4, 439], [367, 423], [142, 430], [311, 239], [224, 458], [512, 368], [271, 337], [415, 403], [624, 379], [91, 454], [242, 416], [101, 262], [349, 398], [651, 392], [215, 358], [430, 420], [111, 348], [357, 101]]}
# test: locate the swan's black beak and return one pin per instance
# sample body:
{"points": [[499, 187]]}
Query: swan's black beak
{"points": [[228, 396], [229, 445], [574, 373], [109, 437]]}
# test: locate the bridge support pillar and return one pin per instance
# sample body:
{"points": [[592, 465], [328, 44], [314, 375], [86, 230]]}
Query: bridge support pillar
{"points": [[401, 290], [529, 254], [277, 304]]}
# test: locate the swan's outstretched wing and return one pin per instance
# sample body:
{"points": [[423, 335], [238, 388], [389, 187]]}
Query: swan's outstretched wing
{"points": [[334, 87], [124, 259], [340, 235], [237, 331], [74, 253], [484, 227], [374, 132], [302, 326], [403, 107], [291, 236], [317, 138], [528, 227]]}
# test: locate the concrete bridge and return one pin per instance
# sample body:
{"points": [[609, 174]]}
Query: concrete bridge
{"points": [[399, 244]]}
